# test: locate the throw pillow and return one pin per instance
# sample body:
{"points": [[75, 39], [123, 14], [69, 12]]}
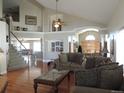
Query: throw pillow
{"points": [[78, 58], [63, 58], [86, 78], [71, 57], [111, 78]]}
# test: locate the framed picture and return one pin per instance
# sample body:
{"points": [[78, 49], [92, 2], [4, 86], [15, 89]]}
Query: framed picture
{"points": [[30, 20], [53, 44]]}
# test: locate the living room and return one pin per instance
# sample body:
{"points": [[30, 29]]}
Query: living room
{"points": [[108, 21]]}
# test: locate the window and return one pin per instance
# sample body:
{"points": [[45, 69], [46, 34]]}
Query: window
{"points": [[90, 45], [90, 37], [36, 46], [27, 46], [56, 46]]}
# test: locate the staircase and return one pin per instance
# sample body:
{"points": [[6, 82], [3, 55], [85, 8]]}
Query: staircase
{"points": [[16, 61]]}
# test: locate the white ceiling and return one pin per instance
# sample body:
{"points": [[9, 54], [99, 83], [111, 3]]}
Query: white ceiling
{"points": [[99, 11]]}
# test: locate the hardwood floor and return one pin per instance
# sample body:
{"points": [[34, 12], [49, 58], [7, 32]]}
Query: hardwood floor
{"points": [[21, 81]]}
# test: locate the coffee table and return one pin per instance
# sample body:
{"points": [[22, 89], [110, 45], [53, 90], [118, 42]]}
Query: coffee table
{"points": [[52, 78], [47, 64]]}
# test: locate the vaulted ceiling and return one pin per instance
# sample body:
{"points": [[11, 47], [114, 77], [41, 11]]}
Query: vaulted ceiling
{"points": [[99, 11]]}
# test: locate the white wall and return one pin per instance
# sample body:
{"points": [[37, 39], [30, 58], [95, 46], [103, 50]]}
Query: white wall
{"points": [[46, 37], [28, 8], [70, 22], [116, 23], [44, 15], [4, 46], [62, 36], [1, 7]]}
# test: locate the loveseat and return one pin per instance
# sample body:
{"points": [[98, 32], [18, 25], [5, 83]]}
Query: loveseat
{"points": [[106, 77], [69, 61]]}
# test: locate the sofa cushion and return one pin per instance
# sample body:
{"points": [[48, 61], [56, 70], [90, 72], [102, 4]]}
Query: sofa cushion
{"points": [[71, 57], [63, 58], [86, 77], [78, 58], [111, 78], [122, 86], [90, 62], [75, 58]]}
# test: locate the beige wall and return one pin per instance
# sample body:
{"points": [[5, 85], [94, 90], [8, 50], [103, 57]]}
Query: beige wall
{"points": [[1, 7]]}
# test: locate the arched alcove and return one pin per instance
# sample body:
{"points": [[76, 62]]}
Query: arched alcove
{"points": [[89, 39]]}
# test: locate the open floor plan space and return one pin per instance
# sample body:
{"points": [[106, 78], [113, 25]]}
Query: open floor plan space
{"points": [[21, 81]]}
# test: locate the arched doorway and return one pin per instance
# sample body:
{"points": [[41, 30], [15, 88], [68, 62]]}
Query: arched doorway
{"points": [[89, 39], [120, 47]]}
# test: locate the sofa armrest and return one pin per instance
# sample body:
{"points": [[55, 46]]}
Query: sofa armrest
{"points": [[56, 63], [122, 85], [86, 77]]}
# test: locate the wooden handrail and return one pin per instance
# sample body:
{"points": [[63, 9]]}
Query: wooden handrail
{"points": [[18, 40], [21, 44]]}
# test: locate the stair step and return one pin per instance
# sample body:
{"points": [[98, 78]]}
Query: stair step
{"points": [[16, 67], [16, 60], [15, 63]]}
